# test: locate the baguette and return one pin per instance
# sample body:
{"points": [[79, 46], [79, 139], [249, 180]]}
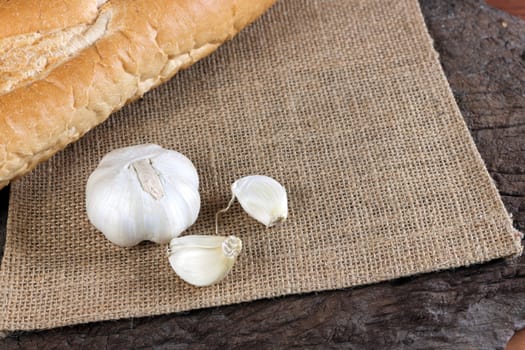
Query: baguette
{"points": [[65, 66]]}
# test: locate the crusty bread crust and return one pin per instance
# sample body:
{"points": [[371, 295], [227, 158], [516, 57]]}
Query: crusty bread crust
{"points": [[23, 16], [118, 51]]}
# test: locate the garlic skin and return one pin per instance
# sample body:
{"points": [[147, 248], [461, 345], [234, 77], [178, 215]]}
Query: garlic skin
{"points": [[203, 260], [143, 192], [263, 198]]}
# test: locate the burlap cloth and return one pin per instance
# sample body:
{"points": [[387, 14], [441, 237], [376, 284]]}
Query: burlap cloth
{"points": [[342, 101]]}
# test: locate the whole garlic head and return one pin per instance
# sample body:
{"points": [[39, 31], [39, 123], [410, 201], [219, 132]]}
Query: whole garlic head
{"points": [[263, 198], [203, 260], [143, 192]]}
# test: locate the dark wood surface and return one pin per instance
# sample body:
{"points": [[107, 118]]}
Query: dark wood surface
{"points": [[515, 7], [483, 53]]}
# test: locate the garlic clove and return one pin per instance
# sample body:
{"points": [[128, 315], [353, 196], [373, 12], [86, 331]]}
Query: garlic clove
{"points": [[143, 192], [263, 198], [203, 260]]}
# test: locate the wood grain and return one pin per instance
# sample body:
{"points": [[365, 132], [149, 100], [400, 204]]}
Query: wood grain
{"points": [[469, 308]]}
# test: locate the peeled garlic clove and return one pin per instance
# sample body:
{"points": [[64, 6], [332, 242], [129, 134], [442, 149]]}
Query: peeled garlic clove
{"points": [[203, 260], [143, 192], [263, 198]]}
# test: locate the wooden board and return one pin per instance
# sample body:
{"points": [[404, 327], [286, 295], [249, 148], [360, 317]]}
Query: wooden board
{"points": [[478, 307], [515, 7]]}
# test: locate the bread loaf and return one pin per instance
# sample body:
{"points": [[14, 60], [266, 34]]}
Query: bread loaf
{"points": [[65, 66]]}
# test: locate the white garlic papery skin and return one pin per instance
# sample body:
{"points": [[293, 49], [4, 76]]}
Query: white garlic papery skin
{"points": [[203, 260], [263, 198], [143, 192]]}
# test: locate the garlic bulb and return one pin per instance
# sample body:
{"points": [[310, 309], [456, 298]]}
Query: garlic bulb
{"points": [[203, 260], [263, 198], [143, 192]]}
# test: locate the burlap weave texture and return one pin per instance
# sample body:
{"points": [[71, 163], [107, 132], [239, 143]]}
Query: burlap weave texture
{"points": [[344, 102]]}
